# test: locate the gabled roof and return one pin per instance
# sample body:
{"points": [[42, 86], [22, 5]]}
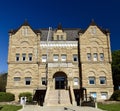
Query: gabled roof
{"points": [[12, 31], [105, 31]]}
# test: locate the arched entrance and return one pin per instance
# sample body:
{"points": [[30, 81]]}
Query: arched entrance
{"points": [[60, 80]]}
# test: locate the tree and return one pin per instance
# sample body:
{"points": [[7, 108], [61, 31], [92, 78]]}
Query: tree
{"points": [[3, 82], [116, 69]]}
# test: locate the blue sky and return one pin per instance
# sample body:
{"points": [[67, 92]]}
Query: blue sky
{"points": [[45, 13]]}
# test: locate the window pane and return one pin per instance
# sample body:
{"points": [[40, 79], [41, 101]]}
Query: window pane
{"points": [[101, 56], [17, 57], [104, 95], [57, 37], [61, 37], [16, 78], [23, 57], [102, 80], [44, 58], [43, 80], [75, 57], [30, 57], [27, 80], [76, 81], [91, 80], [88, 56], [25, 31], [93, 94], [63, 57], [95, 56], [55, 57]]}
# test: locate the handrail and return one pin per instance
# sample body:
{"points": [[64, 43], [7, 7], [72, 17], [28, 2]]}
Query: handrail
{"points": [[46, 96], [58, 96], [72, 95]]}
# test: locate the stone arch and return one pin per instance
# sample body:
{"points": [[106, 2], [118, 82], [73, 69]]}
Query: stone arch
{"points": [[28, 74], [24, 43], [103, 73], [17, 74], [59, 73], [95, 41], [60, 80], [91, 72]]}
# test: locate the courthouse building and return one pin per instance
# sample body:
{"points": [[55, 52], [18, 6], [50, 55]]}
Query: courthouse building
{"points": [[61, 66]]}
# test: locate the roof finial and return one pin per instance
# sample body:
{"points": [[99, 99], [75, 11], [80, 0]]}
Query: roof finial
{"points": [[59, 26], [25, 23], [92, 22]]}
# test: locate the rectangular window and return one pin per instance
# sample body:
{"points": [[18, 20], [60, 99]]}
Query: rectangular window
{"points": [[17, 57], [30, 57], [61, 37], [91, 80], [44, 58], [102, 80], [27, 80], [23, 57], [57, 37], [101, 56], [63, 57], [75, 57], [104, 95], [93, 94], [43, 80], [76, 81], [55, 57], [17, 78], [88, 56], [25, 31], [95, 57]]}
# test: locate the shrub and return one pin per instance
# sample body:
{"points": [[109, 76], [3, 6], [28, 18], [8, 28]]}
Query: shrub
{"points": [[26, 94], [6, 97], [115, 96]]}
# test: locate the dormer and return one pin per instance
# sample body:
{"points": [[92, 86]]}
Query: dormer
{"points": [[59, 34]]}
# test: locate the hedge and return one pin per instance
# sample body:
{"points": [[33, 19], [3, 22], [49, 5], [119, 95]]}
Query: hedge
{"points": [[115, 96], [6, 97]]}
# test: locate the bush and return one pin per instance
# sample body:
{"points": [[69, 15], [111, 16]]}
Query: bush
{"points": [[26, 94], [115, 96], [6, 97]]}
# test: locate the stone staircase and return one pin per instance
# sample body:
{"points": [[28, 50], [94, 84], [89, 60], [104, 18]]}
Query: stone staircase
{"points": [[57, 98]]}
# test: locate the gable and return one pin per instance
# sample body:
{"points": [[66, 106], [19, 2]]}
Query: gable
{"points": [[93, 35]]}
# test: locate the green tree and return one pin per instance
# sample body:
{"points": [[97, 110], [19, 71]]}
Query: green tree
{"points": [[116, 68], [3, 82]]}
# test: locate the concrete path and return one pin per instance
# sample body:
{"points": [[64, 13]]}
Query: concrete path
{"points": [[58, 108]]}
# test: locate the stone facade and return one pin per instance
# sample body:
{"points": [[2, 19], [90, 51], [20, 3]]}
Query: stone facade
{"points": [[55, 59]]}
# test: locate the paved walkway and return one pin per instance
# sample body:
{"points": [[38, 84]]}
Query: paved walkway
{"points": [[58, 108]]}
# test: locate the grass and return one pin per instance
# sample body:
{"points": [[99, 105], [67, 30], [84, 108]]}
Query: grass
{"points": [[9, 107], [109, 107]]}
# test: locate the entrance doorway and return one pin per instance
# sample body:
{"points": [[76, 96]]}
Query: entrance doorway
{"points": [[60, 80], [60, 83]]}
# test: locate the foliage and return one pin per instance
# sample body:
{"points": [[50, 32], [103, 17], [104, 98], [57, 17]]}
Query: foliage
{"points": [[26, 94], [115, 96], [6, 97], [10, 108], [116, 68], [3, 82], [109, 107]]}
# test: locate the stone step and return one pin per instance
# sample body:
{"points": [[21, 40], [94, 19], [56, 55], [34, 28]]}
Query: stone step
{"points": [[58, 98]]}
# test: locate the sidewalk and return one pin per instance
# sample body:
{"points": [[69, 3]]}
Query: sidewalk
{"points": [[58, 108]]}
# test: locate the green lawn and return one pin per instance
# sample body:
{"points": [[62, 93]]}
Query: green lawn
{"points": [[109, 107], [9, 107]]}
